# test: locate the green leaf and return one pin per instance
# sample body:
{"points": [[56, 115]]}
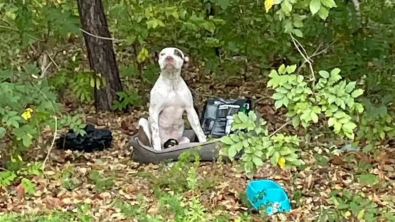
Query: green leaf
{"points": [[314, 117], [361, 214], [232, 152], [26, 140], [335, 71], [286, 6], [29, 186], [281, 69], [2, 132], [257, 161], [323, 13], [329, 3], [278, 96], [349, 127], [357, 93], [315, 6], [370, 179], [368, 148], [291, 69], [274, 158], [234, 137], [227, 140], [282, 90], [238, 146], [245, 143], [224, 4], [350, 87], [359, 107], [243, 117], [278, 104], [324, 74], [337, 127], [298, 33], [295, 121]]}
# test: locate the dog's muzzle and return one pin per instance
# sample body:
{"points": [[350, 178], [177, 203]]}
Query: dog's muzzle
{"points": [[169, 62]]}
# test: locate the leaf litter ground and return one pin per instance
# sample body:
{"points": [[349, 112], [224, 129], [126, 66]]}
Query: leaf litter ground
{"points": [[308, 189]]}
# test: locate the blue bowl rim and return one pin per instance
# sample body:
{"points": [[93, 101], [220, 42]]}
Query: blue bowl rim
{"points": [[278, 187]]}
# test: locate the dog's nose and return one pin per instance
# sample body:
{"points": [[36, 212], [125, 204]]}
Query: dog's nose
{"points": [[169, 59]]}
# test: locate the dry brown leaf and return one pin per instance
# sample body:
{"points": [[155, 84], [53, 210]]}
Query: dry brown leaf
{"points": [[337, 160], [20, 192]]}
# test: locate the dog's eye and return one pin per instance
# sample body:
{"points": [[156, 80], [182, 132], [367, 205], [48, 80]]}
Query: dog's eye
{"points": [[178, 53], [162, 54]]}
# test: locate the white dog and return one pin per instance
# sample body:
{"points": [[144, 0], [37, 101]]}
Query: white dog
{"points": [[169, 98]]}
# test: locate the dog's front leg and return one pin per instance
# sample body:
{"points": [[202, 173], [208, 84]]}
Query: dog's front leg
{"points": [[154, 123], [193, 119]]}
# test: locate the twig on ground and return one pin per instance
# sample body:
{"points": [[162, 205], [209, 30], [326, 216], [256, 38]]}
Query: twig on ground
{"points": [[45, 70], [53, 60], [258, 100], [277, 130], [52, 144]]}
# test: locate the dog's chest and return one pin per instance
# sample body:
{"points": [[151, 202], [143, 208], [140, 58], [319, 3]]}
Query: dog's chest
{"points": [[174, 106], [173, 109]]}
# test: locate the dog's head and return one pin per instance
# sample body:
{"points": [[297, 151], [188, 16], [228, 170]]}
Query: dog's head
{"points": [[172, 59]]}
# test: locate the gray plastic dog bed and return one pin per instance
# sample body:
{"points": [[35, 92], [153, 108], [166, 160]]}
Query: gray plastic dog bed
{"points": [[208, 151]]}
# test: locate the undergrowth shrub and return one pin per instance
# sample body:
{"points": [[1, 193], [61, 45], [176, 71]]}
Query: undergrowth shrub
{"points": [[258, 145], [330, 98], [376, 123], [27, 108], [182, 176]]}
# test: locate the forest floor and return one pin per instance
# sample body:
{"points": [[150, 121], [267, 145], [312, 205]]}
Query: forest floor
{"points": [[109, 186]]}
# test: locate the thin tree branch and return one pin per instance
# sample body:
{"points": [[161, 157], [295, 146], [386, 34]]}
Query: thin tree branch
{"points": [[101, 37], [308, 60], [316, 53]]}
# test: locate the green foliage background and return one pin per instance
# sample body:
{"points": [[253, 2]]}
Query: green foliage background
{"points": [[43, 60], [225, 37]]}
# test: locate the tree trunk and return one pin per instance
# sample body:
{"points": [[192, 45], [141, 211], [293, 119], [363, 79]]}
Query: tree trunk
{"points": [[100, 52]]}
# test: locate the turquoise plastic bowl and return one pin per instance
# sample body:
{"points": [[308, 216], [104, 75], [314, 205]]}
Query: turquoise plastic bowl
{"points": [[268, 192]]}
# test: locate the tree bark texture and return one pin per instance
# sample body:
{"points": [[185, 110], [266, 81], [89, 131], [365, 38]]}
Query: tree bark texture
{"points": [[100, 52]]}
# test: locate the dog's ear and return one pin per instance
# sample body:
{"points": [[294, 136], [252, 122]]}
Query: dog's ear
{"points": [[186, 62], [179, 53], [183, 56], [155, 56]]}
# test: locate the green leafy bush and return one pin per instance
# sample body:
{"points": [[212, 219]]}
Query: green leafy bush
{"points": [[331, 97], [26, 109], [376, 123], [127, 98], [350, 205], [257, 145]]}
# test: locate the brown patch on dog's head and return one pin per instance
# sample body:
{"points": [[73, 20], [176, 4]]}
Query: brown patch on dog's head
{"points": [[177, 52]]}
